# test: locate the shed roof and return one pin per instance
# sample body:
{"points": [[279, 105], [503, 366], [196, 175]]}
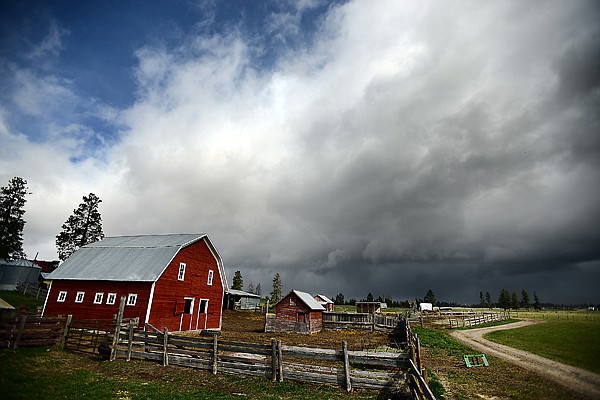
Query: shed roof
{"points": [[241, 293], [323, 299], [309, 300], [125, 258]]}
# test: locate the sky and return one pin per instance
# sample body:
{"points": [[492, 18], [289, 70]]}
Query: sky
{"points": [[353, 147]]}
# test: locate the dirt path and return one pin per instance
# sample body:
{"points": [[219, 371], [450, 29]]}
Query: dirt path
{"points": [[577, 379]]}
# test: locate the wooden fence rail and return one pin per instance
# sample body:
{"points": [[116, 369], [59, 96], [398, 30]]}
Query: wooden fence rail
{"points": [[275, 361], [464, 321], [31, 330], [32, 289]]}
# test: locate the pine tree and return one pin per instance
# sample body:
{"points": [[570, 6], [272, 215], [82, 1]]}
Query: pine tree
{"points": [[481, 300], [238, 281], [430, 297], [488, 299], [251, 287], [536, 302], [258, 290], [370, 297], [81, 228], [12, 202], [276, 293], [514, 300], [525, 299], [504, 300]]}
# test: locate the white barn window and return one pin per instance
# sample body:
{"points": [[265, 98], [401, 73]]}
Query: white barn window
{"points": [[62, 296], [131, 299], [98, 298], [210, 277], [79, 297], [181, 275], [111, 298]]}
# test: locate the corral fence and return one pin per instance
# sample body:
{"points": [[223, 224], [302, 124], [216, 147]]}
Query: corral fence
{"points": [[366, 322], [386, 371], [91, 336], [30, 330], [32, 289], [461, 321]]}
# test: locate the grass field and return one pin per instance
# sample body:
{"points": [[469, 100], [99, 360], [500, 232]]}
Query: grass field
{"points": [[17, 299], [571, 341], [40, 373]]}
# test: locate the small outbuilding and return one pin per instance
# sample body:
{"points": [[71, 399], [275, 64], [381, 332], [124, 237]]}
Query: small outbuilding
{"points": [[425, 307], [297, 312], [240, 300], [15, 272], [370, 307], [326, 302]]}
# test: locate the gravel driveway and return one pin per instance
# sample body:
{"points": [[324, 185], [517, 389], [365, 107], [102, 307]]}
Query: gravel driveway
{"points": [[577, 379]]}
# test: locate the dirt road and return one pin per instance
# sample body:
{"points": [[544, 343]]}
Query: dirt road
{"points": [[577, 379]]}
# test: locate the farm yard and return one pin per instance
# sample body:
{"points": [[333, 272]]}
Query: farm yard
{"points": [[54, 373]]}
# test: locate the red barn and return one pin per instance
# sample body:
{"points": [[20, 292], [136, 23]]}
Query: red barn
{"points": [[174, 281], [298, 312]]}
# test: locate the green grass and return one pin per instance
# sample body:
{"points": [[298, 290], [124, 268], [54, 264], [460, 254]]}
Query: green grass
{"points": [[17, 299], [31, 373], [570, 341]]}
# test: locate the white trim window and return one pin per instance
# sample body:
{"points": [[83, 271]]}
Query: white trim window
{"points": [[98, 298], [131, 299], [210, 277], [111, 298], [62, 296], [79, 297], [181, 275]]}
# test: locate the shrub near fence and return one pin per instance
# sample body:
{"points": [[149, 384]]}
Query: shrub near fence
{"points": [[275, 361]]}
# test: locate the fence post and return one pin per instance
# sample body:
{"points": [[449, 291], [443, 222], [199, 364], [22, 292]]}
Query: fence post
{"points": [[165, 347], [215, 355], [63, 341], [20, 333], [280, 361], [113, 352], [130, 340], [346, 366], [274, 359]]}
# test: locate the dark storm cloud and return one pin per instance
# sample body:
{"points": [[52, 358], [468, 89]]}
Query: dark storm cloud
{"points": [[403, 147]]}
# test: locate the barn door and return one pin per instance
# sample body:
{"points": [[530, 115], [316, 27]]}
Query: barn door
{"points": [[185, 324], [202, 314]]}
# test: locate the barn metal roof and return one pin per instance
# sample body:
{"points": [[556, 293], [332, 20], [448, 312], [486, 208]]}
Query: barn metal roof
{"points": [[124, 258], [241, 293], [309, 300]]}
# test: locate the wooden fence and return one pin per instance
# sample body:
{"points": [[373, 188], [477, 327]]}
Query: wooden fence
{"points": [[31, 330], [458, 321], [348, 369], [364, 321], [32, 289]]}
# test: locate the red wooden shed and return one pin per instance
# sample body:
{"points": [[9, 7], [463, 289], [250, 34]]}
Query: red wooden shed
{"points": [[298, 312], [175, 281]]}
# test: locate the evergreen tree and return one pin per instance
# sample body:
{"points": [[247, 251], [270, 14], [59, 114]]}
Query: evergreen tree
{"points": [[12, 202], [525, 299], [276, 293], [81, 228], [488, 300], [258, 290], [504, 300], [430, 297], [251, 287], [536, 302], [370, 297], [339, 299], [481, 300], [238, 281], [514, 300]]}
